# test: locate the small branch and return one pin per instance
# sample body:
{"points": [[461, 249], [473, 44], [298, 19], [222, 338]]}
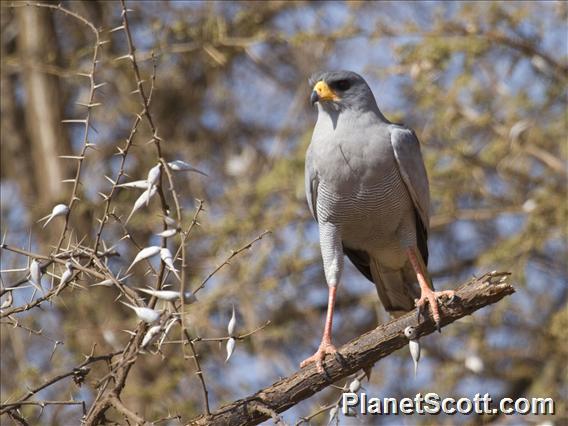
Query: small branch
{"points": [[89, 104], [184, 332], [77, 372], [42, 404], [358, 354], [129, 414], [239, 337], [198, 372], [227, 261]]}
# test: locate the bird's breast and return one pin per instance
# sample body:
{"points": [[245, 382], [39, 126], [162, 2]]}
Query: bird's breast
{"points": [[371, 217], [359, 184], [344, 200]]}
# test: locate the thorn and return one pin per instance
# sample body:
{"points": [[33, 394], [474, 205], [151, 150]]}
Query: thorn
{"points": [[72, 157], [120, 58], [75, 120], [96, 86], [121, 27], [368, 370], [94, 128], [96, 104], [112, 182], [68, 181]]}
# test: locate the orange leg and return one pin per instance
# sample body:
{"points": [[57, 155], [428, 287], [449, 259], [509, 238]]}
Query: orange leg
{"points": [[426, 292], [326, 346]]}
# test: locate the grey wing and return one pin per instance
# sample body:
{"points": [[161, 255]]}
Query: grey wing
{"points": [[311, 182], [411, 165]]}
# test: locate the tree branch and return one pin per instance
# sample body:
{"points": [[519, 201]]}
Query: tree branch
{"points": [[358, 354]]}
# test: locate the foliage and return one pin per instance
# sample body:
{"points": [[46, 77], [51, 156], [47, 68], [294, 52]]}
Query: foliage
{"points": [[482, 83]]}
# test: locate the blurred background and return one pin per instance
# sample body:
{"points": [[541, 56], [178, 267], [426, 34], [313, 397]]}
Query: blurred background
{"points": [[482, 83]]}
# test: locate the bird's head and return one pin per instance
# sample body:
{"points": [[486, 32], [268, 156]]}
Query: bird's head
{"points": [[339, 90]]}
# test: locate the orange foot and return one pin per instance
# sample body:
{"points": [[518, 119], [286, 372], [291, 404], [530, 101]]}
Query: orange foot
{"points": [[432, 297], [324, 349]]}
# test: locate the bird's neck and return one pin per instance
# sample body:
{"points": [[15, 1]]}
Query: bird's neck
{"points": [[335, 115]]}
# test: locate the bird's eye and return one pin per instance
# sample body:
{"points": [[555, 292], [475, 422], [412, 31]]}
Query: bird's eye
{"points": [[343, 84]]}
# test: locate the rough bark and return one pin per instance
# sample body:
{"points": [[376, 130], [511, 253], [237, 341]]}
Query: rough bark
{"points": [[358, 354]]}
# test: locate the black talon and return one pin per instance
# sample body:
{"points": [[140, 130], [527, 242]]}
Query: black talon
{"points": [[438, 327], [339, 358], [419, 311]]}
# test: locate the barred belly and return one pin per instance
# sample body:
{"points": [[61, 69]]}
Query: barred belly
{"points": [[369, 217]]}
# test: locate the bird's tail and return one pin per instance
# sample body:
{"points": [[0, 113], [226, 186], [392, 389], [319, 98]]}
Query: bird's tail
{"points": [[397, 288]]}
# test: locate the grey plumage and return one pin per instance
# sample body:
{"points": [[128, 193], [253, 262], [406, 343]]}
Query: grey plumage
{"points": [[367, 188]]}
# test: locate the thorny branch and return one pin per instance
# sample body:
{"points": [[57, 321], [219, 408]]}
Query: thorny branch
{"points": [[90, 262], [227, 261], [110, 396], [80, 370], [89, 104]]}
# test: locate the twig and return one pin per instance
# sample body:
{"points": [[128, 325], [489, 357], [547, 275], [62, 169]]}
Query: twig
{"points": [[239, 337], [80, 369], [199, 372], [227, 261], [328, 407], [121, 408], [42, 403], [89, 105]]}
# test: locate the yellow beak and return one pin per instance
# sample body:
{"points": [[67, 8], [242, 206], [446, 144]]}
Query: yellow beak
{"points": [[322, 92]]}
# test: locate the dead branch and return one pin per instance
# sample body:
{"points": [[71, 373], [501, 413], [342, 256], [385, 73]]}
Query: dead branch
{"points": [[78, 373], [358, 354]]}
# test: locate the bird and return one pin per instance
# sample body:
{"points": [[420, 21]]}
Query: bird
{"points": [[367, 188]]}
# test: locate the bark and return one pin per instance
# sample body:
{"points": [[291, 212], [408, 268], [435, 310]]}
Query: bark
{"points": [[37, 45], [14, 154], [358, 354]]}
